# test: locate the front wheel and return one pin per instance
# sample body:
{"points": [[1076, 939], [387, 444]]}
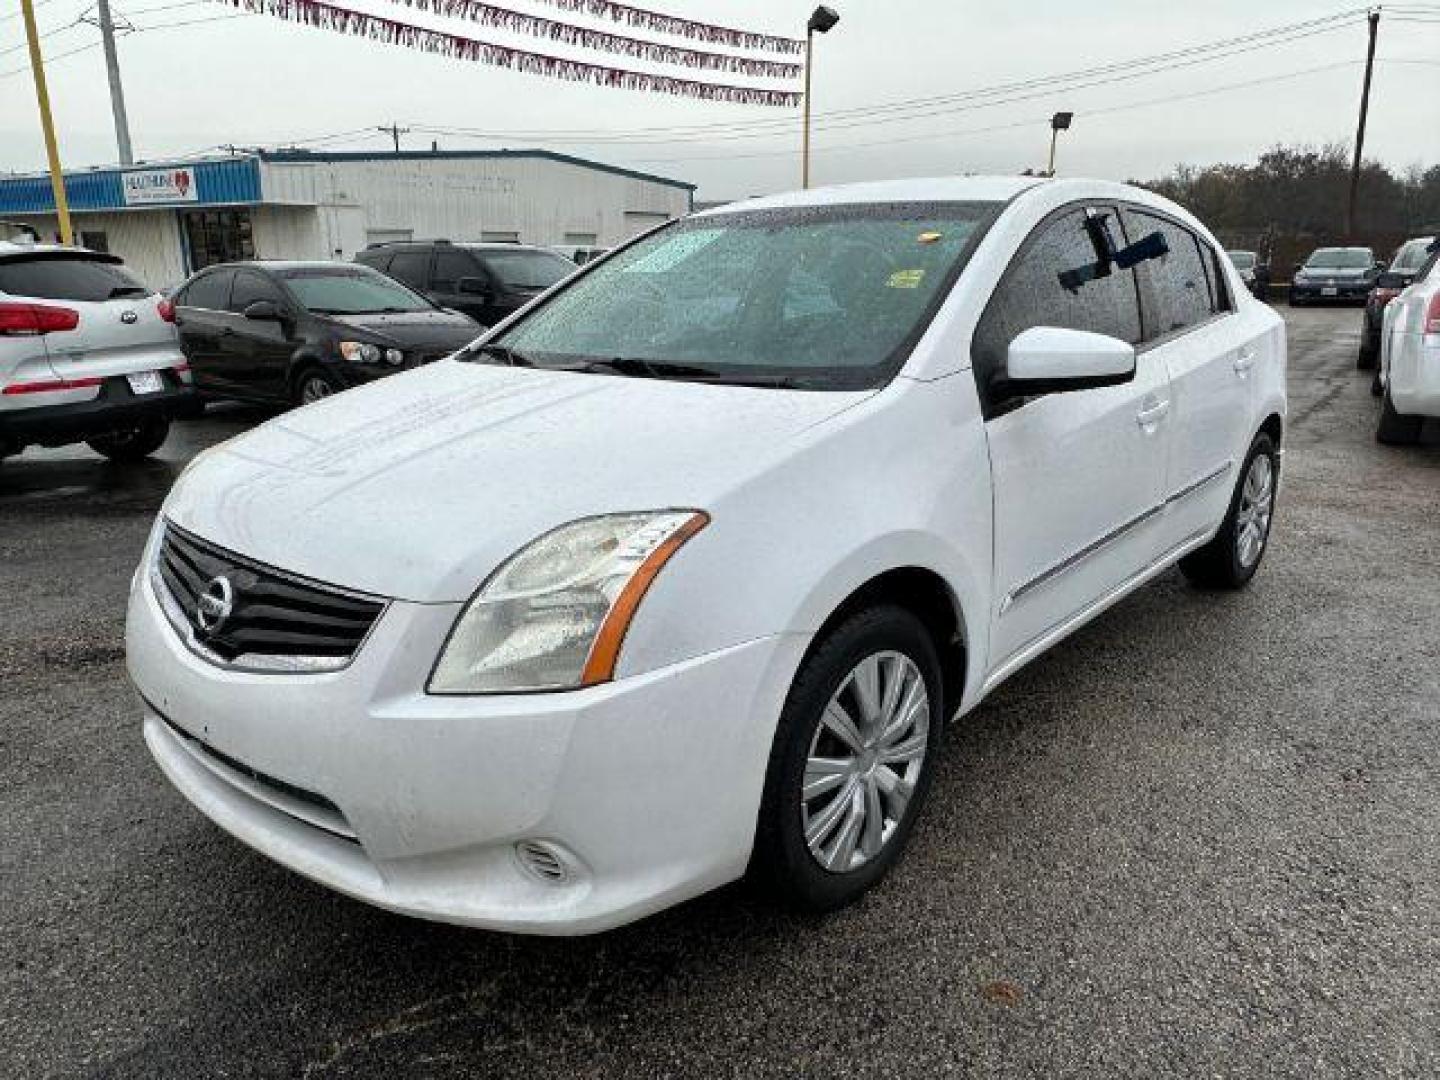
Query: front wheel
{"points": [[851, 762], [312, 385], [1231, 558], [132, 444]]}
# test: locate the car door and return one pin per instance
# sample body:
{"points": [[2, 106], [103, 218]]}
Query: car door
{"points": [[451, 266], [1210, 352], [257, 351], [1077, 476], [200, 318]]}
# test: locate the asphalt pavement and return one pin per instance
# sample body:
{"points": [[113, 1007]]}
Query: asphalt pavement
{"points": [[1199, 838]]}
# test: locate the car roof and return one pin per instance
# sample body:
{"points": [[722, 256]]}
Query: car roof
{"points": [[925, 189], [10, 249]]}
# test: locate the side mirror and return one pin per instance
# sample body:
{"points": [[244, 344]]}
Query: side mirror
{"points": [[473, 286], [263, 311], [1050, 359]]}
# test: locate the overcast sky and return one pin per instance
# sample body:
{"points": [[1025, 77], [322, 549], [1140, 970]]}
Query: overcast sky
{"points": [[257, 80]]}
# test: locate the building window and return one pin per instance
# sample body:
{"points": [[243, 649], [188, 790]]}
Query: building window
{"points": [[580, 239], [387, 236], [95, 240], [492, 237], [217, 236]]}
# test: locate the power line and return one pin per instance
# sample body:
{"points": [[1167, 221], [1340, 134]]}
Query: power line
{"points": [[139, 30]]}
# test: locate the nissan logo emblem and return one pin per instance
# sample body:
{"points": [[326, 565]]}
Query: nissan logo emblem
{"points": [[129, 317], [216, 603]]}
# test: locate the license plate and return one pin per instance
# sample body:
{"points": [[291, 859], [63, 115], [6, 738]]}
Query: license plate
{"points": [[145, 382], [1329, 290]]}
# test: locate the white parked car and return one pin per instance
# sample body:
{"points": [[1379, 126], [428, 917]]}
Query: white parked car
{"points": [[1409, 373], [682, 570], [87, 354]]}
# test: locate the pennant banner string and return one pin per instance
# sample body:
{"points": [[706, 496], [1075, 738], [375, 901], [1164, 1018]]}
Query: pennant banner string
{"points": [[661, 23], [502, 18], [376, 28]]}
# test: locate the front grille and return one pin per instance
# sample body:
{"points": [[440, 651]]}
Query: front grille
{"points": [[270, 613]]}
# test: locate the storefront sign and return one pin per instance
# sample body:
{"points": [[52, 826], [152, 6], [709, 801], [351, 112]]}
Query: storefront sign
{"points": [[159, 186]]}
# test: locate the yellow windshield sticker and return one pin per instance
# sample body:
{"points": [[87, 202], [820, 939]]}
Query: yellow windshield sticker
{"points": [[905, 279], [929, 237]]}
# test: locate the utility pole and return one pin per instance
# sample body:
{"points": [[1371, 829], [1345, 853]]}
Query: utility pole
{"points": [[117, 92], [1374, 20], [47, 125], [394, 130]]}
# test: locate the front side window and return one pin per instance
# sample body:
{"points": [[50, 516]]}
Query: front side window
{"points": [[68, 277], [817, 297], [528, 269], [1180, 288], [353, 291], [450, 267], [250, 287], [1061, 278]]}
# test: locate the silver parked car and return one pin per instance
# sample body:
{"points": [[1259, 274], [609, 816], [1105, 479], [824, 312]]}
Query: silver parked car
{"points": [[87, 354]]}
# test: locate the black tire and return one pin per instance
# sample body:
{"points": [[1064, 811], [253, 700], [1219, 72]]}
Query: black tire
{"points": [[134, 444], [1396, 429], [312, 384], [1369, 353], [1222, 563], [782, 862]]}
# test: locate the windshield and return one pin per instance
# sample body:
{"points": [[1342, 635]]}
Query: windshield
{"points": [[1243, 260], [814, 297], [529, 269], [352, 290], [1341, 259], [1411, 256]]}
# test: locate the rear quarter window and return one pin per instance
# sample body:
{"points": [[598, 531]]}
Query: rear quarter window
{"points": [[1180, 288], [68, 278]]}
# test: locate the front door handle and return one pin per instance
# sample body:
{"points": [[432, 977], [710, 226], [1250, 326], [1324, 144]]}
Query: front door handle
{"points": [[1244, 361], [1152, 414]]}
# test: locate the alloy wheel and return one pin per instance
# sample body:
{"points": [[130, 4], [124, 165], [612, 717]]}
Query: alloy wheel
{"points": [[865, 761], [314, 389], [1257, 503]]}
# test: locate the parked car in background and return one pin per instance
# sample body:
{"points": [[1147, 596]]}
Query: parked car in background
{"points": [[1335, 274], [1409, 257], [87, 354], [488, 282], [636, 594], [295, 332], [1254, 273], [1409, 374], [578, 255]]}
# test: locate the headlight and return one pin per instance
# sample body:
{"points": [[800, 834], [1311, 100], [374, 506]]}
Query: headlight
{"points": [[555, 613], [361, 352]]}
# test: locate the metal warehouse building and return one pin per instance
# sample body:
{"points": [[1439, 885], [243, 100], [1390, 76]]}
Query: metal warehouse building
{"points": [[169, 219]]}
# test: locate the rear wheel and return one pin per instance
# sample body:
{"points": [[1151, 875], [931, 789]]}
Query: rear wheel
{"points": [[1231, 558], [1396, 429], [132, 444], [852, 760]]}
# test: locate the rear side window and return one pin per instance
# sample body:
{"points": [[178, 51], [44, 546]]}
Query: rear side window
{"points": [[68, 278], [210, 291], [411, 267], [1182, 287], [1058, 279], [249, 287]]}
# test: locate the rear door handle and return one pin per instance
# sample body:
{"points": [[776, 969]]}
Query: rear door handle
{"points": [[1244, 361], [1152, 414]]}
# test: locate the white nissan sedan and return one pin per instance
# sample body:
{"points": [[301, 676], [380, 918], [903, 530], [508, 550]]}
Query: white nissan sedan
{"points": [[680, 572]]}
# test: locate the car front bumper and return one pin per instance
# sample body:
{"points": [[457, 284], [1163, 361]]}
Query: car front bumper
{"points": [[645, 790], [113, 408], [1349, 292]]}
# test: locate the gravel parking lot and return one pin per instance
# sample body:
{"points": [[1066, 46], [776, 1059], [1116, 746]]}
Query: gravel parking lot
{"points": [[1197, 839]]}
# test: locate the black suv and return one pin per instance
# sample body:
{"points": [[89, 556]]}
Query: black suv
{"points": [[488, 282], [294, 332]]}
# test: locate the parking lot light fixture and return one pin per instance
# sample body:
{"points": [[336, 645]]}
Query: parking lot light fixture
{"points": [[822, 20]]}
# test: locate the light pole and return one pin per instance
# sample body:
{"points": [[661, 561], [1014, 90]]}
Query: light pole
{"points": [[1058, 123], [822, 19]]}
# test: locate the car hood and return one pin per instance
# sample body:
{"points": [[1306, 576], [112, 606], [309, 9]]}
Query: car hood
{"points": [[437, 331], [418, 486]]}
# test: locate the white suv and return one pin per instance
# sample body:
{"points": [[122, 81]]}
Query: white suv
{"points": [[87, 354], [683, 568]]}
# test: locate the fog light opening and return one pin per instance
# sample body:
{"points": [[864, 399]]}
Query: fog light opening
{"points": [[543, 861]]}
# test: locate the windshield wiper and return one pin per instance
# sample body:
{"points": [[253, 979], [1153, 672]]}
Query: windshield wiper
{"points": [[127, 290], [652, 369]]}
